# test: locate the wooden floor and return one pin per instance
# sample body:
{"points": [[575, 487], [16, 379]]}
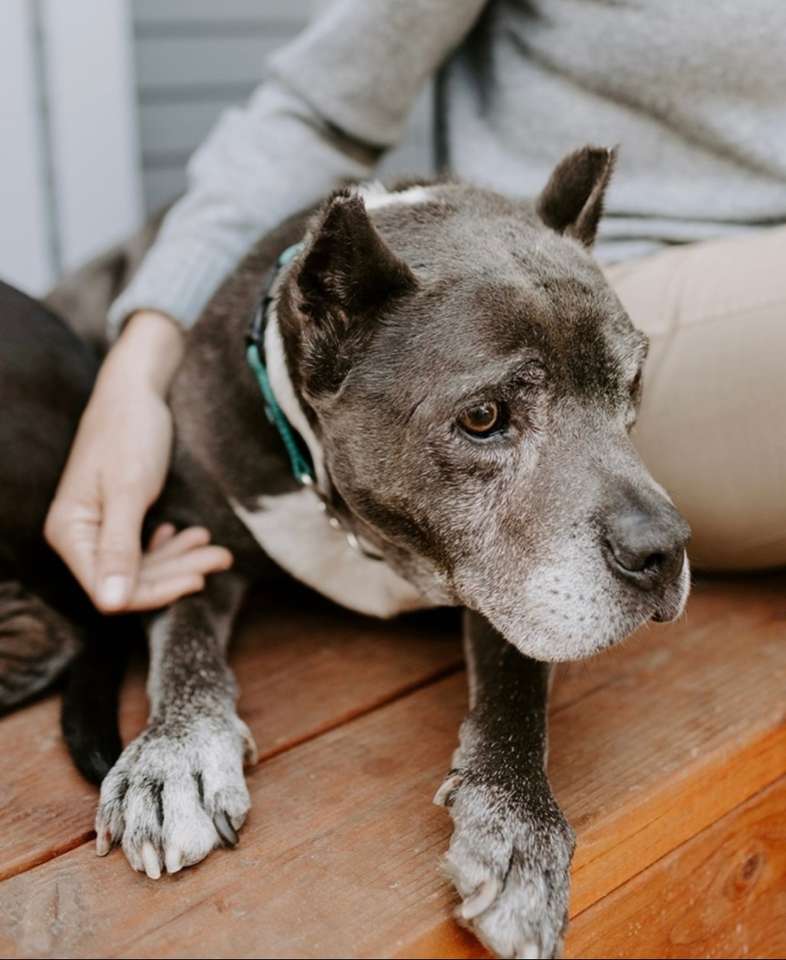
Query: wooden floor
{"points": [[669, 756]]}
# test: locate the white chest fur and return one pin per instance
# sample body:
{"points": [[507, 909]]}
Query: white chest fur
{"points": [[292, 530]]}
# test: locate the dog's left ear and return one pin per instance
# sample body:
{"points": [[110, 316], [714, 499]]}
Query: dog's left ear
{"points": [[572, 200], [348, 267]]}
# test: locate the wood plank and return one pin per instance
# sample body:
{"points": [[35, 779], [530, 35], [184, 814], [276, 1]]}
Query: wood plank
{"points": [[645, 758], [339, 827], [303, 665], [721, 894], [739, 605], [695, 732], [340, 855]]}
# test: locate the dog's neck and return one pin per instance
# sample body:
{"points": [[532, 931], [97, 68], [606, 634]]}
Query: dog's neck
{"points": [[299, 530], [284, 391], [285, 394]]}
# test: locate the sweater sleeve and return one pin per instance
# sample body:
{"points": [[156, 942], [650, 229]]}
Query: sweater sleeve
{"points": [[337, 97]]}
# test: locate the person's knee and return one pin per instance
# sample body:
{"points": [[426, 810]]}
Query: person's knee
{"points": [[748, 536]]}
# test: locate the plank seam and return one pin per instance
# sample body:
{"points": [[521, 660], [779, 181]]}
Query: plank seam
{"points": [[712, 824], [400, 693]]}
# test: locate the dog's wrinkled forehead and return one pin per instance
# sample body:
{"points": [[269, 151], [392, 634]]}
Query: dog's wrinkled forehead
{"points": [[495, 285]]}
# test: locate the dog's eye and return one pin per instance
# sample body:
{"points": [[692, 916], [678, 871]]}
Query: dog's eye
{"points": [[481, 420]]}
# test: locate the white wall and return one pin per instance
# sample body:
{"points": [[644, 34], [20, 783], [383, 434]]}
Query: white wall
{"points": [[90, 92], [195, 58], [70, 179], [103, 102], [26, 256]]}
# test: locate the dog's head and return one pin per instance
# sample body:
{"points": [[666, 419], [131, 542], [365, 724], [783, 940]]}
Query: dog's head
{"points": [[473, 380]]}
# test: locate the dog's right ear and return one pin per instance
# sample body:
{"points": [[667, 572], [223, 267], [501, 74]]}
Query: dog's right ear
{"points": [[572, 200], [346, 277], [348, 268]]}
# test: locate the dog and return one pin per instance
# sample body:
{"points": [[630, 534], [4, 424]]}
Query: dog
{"points": [[428, 402]]}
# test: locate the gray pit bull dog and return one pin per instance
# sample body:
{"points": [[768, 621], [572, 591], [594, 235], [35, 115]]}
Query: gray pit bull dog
{"points": [[465, 382]]}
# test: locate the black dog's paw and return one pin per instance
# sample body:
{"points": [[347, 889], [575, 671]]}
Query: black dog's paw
{"points": [[171, 798], [511, 867], [36, 644]]}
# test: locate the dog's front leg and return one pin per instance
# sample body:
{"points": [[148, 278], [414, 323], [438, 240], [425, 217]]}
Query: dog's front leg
{"points": [[511, 848], [178, 790]]}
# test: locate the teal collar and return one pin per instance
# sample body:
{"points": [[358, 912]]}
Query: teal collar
{"points": [[299, 457]]}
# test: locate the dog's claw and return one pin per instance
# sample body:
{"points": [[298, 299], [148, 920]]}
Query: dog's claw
{"points": [[481, 899], [170, 800], [530, 952], [250, 751], [103, 841], [225, 829], [444, 795], [150, 861]]}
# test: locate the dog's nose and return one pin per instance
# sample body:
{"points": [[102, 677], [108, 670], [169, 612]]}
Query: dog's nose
{"points": [[646, 546]]}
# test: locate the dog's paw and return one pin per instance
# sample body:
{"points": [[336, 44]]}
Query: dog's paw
{"points": [[510, 866], [175, 795], [36, 644]]}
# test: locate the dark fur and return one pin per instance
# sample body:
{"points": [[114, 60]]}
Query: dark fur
{"points": [[551, 533], [46, 373]]}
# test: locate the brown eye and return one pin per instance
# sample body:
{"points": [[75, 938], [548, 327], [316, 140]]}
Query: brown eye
{"points": [[481, 420]]}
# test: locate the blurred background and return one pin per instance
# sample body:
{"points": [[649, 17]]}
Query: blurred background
{"points": [[103, 102]]}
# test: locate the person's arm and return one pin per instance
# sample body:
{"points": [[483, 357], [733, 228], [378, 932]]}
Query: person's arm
{"points": [[338, 96], [116, 469]]}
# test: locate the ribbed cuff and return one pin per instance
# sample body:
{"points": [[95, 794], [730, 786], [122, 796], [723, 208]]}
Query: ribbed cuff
{"points": [[177, 277]]}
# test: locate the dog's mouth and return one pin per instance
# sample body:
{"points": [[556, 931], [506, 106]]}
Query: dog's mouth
{"points": [[672, 604]]}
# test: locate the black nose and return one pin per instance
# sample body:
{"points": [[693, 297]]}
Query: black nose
{"points": [[646, 544]]}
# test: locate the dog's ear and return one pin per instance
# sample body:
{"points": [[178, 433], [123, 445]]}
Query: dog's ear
{"points": [[572, 200], [347, 266], [347, 274]]}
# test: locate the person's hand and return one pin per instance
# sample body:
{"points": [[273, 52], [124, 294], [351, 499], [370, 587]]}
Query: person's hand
{"points": [[116, 469]]}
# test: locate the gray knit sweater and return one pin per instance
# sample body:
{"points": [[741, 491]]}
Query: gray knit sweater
{"points": [[694, 94]]}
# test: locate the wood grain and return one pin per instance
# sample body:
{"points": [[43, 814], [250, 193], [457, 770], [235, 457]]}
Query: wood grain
{"points": [[721, 894], [651, 747], [663, 753], [339, 857], [303, 665]]}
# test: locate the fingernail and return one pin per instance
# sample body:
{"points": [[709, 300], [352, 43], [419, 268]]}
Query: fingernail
{"points": [[113, 591]]}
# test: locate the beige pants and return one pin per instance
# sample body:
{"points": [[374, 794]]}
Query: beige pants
{"points": [[712, 427]]}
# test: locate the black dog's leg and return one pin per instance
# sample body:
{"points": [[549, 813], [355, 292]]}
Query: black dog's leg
{"points": [[178, 790], [511, 848]]}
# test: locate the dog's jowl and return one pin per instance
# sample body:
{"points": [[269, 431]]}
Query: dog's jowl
{"points": [[433, 406]]}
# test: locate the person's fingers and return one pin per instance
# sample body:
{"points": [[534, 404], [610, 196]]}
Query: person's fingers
{"points": [[182, 542], [71, 529], [119, 548], [154, 593], [200, 560], [161, 535]]}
